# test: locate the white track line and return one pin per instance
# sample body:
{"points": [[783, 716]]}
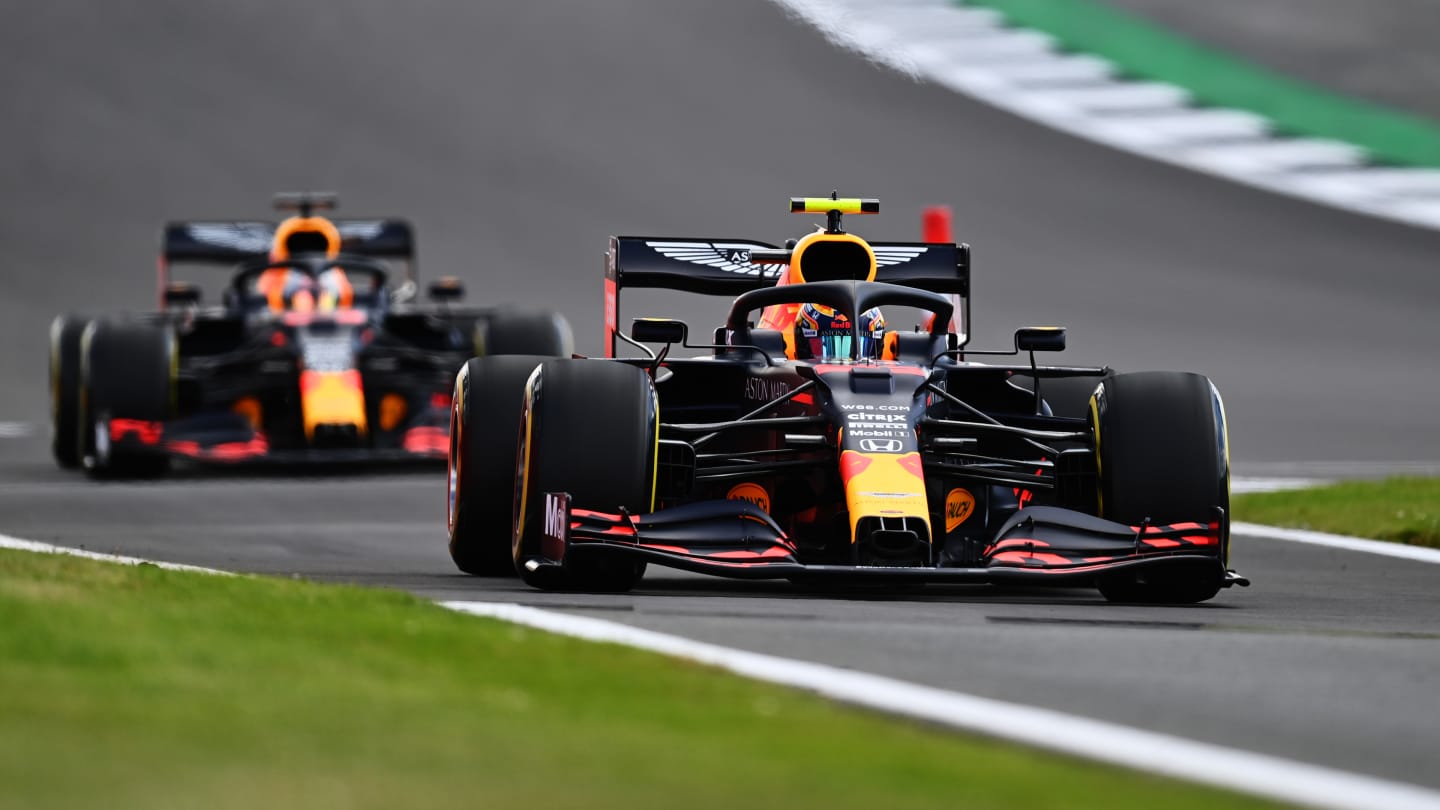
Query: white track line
{"points": [[1244, 484], [1233, 769], [1400, 550], [1151, 752], [16, 543], [975, 53], [14, 430]]}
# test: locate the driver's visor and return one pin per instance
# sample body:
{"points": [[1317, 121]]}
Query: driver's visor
{"points": [[838, 344]]}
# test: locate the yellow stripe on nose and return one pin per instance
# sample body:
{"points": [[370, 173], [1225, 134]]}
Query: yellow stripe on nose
{"points": [[332, 398], [887, 485]]}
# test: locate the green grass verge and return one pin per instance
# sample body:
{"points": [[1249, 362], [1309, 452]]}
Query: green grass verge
{"points": [[1144, 50], [137, 687], [1403, 510]]}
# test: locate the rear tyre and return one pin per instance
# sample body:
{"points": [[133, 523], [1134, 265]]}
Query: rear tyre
{"points": [[65, 334], [127, 372], [1163, 456], [589, 429], [484, 421], [535, 333]]}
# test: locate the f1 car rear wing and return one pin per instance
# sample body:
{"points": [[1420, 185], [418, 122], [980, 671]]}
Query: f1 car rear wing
{"points": [[228, 243], [735, 266], [231, 242]]}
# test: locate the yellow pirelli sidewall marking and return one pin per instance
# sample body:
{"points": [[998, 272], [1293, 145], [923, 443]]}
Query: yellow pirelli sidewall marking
{"points": [[752, 492], [655, 446], [526, 418], [1224, 434], [87, 337], [1224, 427], [457, 441], [879, 485], [959, 505], [1095, 423], [797, 262]]}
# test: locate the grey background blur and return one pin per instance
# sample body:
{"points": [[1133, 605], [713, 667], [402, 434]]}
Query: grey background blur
{"points": [[519, 136]]}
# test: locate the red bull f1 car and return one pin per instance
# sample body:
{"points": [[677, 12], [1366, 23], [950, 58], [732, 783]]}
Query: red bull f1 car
{"points": [[316, 351], [815, 445]]}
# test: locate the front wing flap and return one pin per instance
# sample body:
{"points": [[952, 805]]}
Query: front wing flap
{"points": [[728, 538], [733, 538], [226, 440]]}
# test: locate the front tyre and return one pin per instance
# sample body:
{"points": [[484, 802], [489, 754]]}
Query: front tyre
{"points": [[127, 377], [1163, 456], [590, 429], [65, 334], [484, 422]]}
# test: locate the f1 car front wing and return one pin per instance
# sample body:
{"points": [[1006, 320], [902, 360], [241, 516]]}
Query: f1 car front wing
{"points": [[733, 538], [230, 442]]}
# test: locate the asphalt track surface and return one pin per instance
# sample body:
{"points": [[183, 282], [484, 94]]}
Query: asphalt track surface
{"points": [[519, 137]]}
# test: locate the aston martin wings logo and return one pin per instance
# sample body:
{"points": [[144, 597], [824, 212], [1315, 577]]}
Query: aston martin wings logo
{"points": [[362, 230], [237, 236], [888, 255], [730, 257]]}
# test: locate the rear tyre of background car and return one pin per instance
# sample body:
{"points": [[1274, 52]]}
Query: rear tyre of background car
{"points": [[537, 333], [127, 372], [589, 429], [65, 334], [484, 422], [1161, 445]]}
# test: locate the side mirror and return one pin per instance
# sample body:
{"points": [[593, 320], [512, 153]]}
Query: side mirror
{"points": [[446, 288], [659, 330], [180, 293], [1040, 339]]}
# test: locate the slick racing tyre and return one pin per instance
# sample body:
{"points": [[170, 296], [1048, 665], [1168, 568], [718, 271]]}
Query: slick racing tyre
{"points": [[484, 423], [127, 375], [539, 333], [1161, 446], [590, 429], [65, 334]]}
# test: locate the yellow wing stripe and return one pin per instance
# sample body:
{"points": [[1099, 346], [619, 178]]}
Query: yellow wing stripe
{"points": [[824, 205]]}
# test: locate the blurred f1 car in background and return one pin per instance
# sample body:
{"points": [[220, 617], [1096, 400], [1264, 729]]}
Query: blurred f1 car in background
{"points": [[819, 446], [317, 351]]}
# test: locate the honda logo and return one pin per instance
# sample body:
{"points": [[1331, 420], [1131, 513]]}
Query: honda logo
{"points": [[881, 445]]}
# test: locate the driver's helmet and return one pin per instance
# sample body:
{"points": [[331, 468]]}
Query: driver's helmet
{"points": [[289, 289], [824, 333]]}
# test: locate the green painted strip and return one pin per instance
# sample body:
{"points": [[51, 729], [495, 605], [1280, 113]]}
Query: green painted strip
{"points": [[1141, 49]]}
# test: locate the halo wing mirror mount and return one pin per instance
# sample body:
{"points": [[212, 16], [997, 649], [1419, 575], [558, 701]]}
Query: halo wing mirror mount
{"points": [[446, 289], [659, 330], [181, 294], [1040, 339]]}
